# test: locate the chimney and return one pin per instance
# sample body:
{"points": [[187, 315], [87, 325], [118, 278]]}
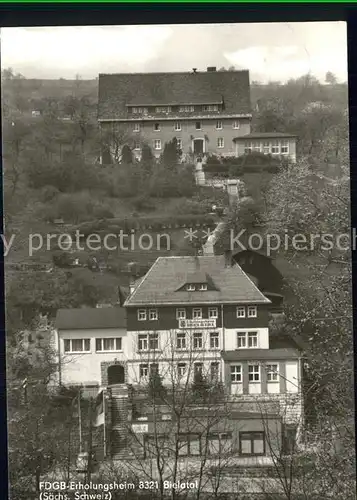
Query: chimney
{"points": [[228, 258], [194, 70], [131, 285], [211, 69]]}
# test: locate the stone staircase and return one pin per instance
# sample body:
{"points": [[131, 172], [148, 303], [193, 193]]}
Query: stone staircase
{"points": [[120, 449]]}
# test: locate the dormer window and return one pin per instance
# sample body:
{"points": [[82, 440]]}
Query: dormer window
{"points": [[190, 288], [203, 287]]}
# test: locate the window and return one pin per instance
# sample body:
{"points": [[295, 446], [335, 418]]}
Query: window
{"points": [[198, 368], [143, 342], [157, 127], [240, 312], [143, 371], [275, 149], [197, 313], [284, 147], [181, 369], [153, 314], [142, 315], [252, 311], [198, 125], [219, 444], [163, 109], [257, 147], [266, 148], [254, 373], [251, 443], [154, 369], [157, 144], [272, 373], [214, 340], [180, 313], [186, 109], [236, 374], [189, 445], [212, 312], [191, 288], [210, 107], [136, 127], [203, 287], [153, 341], [137, 145], [179, 143], [236, 124], [76, 345], [241, 340], [197, 340], [181, 340], [219, 125], [247, 147], [252, 339], [214, 371], [111, 344], [148, 341], [245, 340], [220, 142], [177, 126], [154, 443]]}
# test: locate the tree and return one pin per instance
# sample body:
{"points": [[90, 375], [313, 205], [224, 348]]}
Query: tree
{"points": [[330, 78], [171, 155], [126, 155]]}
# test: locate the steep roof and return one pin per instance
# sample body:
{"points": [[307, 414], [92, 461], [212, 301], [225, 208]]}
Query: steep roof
{"points": [[90, 318], [265, 135], [116, 91], [168, 274]]}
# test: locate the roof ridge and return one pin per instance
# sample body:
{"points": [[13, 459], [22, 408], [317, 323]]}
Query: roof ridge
{"points": [[254, 285], [173, 72], [145, 277]]}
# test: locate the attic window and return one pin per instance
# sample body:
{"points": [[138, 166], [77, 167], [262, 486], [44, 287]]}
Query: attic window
{"points": [[203, 287], [190, 288]]}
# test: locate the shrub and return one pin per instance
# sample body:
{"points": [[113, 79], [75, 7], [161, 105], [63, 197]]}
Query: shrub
{"points": [[48, 193], [143, 203]]}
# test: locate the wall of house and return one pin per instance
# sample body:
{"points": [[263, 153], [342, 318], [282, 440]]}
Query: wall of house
{"points": [[188, 130], [240, 146], [256, 423], [289, 380], [167, 317], [85, 368], [231, 342]]}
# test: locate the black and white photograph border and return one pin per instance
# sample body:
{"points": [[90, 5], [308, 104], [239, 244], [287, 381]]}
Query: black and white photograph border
{"points": [[177, 246]]}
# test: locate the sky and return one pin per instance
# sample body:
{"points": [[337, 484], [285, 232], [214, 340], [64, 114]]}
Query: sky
{"points": [[272, 52]]}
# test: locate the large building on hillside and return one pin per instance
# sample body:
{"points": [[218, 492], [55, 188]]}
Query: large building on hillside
{"points": [[208, 112], [187, 315]]}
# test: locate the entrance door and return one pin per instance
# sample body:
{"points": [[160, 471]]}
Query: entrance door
{"points": [[198, 147], [116, 375]]}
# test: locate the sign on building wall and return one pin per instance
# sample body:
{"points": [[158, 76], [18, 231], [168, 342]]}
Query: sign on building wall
{"points": [[197, 323], [140, 428]]}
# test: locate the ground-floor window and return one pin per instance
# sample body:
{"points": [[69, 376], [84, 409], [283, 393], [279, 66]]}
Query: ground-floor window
{"points": [[156, 446], [289, 439], [251, 443], [189, 445], [219, 443]]}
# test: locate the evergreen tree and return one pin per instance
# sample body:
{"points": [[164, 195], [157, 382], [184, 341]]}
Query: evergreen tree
{"points": [[157, 391], [126, 155], [171, 155], [200, 388]]}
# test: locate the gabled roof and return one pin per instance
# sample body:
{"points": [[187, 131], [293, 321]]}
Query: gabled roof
{"points": [[265, 135], [90, 318], [165, 277], [117, 91]]}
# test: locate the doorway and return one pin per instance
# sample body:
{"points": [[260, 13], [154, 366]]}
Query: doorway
{"points": [[198, 147], [116, 374]]}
